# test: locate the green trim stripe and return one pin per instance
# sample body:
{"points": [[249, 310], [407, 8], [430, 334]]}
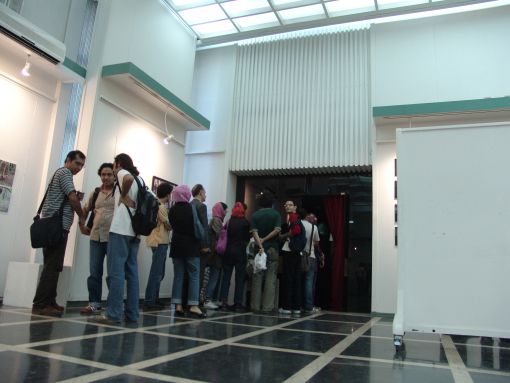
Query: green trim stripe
{"points": [[156, 87], [76, 68], [442, 107]]}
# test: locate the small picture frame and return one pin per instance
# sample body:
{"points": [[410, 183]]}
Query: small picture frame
{"points": [[396, 213], [396, 236], [156, 181]]}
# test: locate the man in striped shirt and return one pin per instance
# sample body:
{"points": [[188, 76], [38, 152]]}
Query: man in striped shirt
{"points": [[61, 193]]}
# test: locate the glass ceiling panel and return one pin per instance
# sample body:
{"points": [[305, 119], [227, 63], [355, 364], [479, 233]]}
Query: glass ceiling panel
{"points": [[183, 4], [257, 21], [214, 29], [310, 12], [203, 14], [346, 7], [245, 7], [385, 4], [240, 19]]}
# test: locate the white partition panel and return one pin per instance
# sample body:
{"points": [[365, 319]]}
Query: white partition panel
{"points": [[454, 230]]}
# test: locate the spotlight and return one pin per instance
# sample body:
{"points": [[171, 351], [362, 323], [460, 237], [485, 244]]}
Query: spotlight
{"points": [[168, 138], [26, 69]]}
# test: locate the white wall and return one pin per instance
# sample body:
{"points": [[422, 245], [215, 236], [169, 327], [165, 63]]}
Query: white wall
{"points": [[51, 16], [26, 127], [147, 34], [384, 252], [444, 58], [207, 152], [114, 121]]}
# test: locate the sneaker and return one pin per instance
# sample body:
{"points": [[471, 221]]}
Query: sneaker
{"points": [[48, 311], [210, 305], [296, 312], [284, 311], [90, 310]]}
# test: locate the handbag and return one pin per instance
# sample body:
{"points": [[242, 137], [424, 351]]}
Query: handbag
{"points": [[221, 244], [90, 220], [305, 254], [47, 231]]}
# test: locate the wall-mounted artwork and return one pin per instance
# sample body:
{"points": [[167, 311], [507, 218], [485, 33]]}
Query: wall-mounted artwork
{"points": [[7, 172], [156, 181]]}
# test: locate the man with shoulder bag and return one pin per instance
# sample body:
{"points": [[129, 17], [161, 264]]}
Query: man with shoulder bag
{"points": [[61, 200]]}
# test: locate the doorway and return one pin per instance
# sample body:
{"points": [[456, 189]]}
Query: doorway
{"points": [[309, 192]]}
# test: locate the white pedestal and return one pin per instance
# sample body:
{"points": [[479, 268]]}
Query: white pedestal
{"points": [[21, 284]]}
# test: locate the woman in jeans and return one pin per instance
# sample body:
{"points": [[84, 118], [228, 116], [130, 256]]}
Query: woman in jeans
{"points": [[185, 251], [238, 235]]}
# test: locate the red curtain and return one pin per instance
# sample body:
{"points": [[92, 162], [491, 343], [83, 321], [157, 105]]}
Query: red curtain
{"points": [[336, 213]]}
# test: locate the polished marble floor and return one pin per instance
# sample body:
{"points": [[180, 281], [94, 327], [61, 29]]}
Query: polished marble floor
{"points": [[239, 347]]}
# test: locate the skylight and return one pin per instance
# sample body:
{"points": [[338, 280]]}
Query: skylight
{"points": [[221, 21]]}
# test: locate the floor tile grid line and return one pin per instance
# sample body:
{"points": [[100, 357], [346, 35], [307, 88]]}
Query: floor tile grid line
{"points": [[316, 332], [315, 366], [112, 370], [394, 362], [216, 344], [457, 366], [63, 358], [175, 336], [490, 372], [238, 324], [412, 340], [340, 321], [278, 349], [101, 375], [25, 322], [73, 338]]}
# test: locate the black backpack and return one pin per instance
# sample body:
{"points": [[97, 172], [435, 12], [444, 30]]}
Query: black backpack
{"points": [[298, 242], [145, 218]]}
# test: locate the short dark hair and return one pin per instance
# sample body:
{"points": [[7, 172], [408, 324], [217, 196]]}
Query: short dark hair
{"points": [[164, 189], [73, 154], [302, 213], [104, 165], [197, 189], [126, 162], [266, 198]]}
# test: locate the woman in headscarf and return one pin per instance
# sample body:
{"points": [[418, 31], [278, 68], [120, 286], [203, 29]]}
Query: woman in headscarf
{"points": [[212, 275], [238, 236], [185, 251]]}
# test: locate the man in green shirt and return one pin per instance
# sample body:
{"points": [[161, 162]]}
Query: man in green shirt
{"points": [[265, 226]]}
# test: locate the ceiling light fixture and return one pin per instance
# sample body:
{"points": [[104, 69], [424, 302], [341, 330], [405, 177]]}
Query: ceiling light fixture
{"points": [[26, 69], [168, 138]]}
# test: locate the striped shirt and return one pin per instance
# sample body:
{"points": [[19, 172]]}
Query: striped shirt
{"points": [[59, 188]]}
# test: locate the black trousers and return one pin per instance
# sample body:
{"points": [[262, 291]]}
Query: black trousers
{"points": [[292, 294], [46, 293]]}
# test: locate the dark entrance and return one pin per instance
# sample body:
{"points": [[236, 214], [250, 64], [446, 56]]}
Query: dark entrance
{"points": [[309, 192]]}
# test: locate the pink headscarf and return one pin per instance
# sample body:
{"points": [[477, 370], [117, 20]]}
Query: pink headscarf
{"points": [[218, 211], [181, 193]]}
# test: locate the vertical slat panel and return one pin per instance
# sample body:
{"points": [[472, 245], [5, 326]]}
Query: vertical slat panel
{"points": [[302, 103]]}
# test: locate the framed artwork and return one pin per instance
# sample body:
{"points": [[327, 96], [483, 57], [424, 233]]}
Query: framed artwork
{"points": [[156, 181], [7, 172]]}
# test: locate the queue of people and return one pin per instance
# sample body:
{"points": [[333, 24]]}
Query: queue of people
{"points": [[202, 270]]}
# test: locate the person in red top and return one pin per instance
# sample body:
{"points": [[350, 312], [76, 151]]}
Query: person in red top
{"points": [[291, 286]]}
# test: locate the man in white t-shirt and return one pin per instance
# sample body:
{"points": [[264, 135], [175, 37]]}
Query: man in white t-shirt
{"points": [[312, 244], [123, 244]]}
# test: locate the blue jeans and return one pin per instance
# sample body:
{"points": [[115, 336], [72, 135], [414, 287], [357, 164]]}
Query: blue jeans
{"points": [[239, 286], [95, 280], [309, 285], [214, 276], [122, 265], [191, 265], [156, 274]]}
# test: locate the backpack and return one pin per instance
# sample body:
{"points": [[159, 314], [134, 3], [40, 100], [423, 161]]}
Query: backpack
{"points": [[145, 218], [298, 242]]}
